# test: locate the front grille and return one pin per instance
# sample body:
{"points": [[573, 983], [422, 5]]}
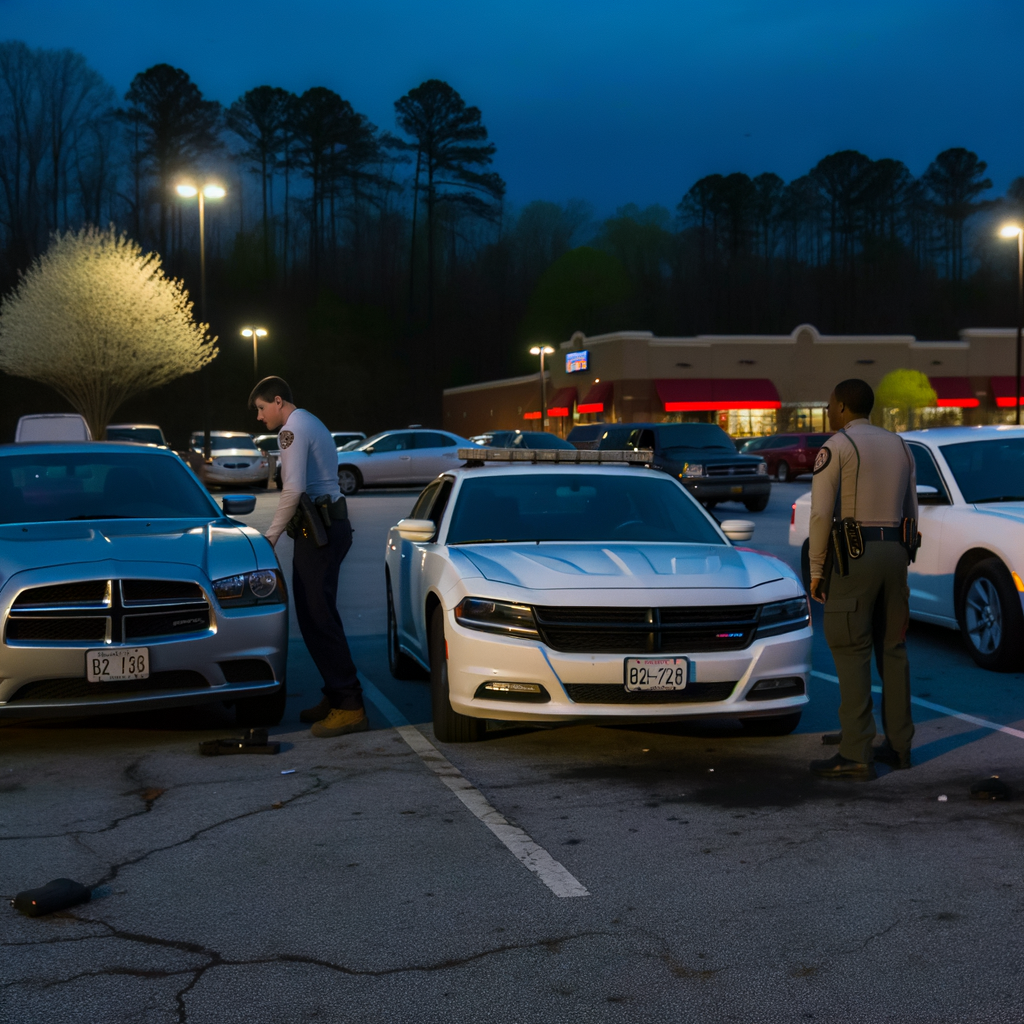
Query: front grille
{"points": [[79, 688], [647, 630], [101, 611], [606, 693], [748, 470]]}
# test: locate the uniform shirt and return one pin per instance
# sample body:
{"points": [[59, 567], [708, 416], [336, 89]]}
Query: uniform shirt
{"points": [[882, 493], [309, 462]]}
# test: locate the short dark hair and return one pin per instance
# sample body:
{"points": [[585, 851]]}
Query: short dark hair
{"points": [[268, 389], [856, 395]]}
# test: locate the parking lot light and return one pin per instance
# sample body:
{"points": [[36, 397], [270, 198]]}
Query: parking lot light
{"points": [[542, 351], [255, 333], [1016, 231]]}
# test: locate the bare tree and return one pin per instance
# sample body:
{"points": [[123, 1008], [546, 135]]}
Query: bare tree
{"points": [[97, 320]]}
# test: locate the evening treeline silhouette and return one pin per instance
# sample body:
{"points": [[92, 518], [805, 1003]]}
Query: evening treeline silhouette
{"points": [[387, 262]]}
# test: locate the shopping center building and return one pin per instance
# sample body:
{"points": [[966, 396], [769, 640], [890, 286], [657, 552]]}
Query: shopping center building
{"points": [[749, 384]]}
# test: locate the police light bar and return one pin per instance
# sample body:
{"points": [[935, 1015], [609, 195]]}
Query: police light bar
{"points": [[562, 456]]}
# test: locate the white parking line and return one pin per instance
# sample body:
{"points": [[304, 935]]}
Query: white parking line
{"points": [[532, 856], [952, 712]]}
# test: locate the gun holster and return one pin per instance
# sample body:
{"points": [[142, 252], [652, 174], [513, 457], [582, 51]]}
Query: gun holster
{"points": [[307, 522]]}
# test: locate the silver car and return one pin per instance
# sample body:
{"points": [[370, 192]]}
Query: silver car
{"points": [[124, 586], [398, 458], [234, 459]]}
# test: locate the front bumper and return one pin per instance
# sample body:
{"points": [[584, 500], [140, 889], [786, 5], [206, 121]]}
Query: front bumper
{"points": [[214, 475], [729, 489], [475, 658]]}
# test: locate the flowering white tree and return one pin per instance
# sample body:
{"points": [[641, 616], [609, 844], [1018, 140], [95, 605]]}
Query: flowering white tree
{"points": [[97, 320]]}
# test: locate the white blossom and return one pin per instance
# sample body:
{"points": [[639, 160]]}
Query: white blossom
{"points": [[97, 320]]}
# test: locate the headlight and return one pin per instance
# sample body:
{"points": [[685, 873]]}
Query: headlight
{"points": [[265, 586], [496, 616], [693, 469], [762, 469], [783, 617]]}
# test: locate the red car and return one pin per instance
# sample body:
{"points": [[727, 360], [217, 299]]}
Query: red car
{"points": [[788, 455]]}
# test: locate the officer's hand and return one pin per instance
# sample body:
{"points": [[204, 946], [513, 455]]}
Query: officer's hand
{"points": [[816, 594]]}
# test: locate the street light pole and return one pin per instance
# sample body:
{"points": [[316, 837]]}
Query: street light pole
{"points": [[1015, 231], [542, 351], [255, 333]]}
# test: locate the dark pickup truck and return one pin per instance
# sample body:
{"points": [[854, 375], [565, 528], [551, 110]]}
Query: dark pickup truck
{"points": [[701, 456]]}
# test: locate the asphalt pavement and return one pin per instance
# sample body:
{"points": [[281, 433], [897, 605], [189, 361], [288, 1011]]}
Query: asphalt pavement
{"points": [[670, 873]]}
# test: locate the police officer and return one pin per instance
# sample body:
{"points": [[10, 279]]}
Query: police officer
{"points": [[871, 471], [309, 462]]}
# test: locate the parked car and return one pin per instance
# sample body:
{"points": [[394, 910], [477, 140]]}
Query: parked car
{"points": [[530, 439], [700, 455], [789, 455], [52, 426], [343, 438], [140, 433], [749, 445], [969, 571], [555, 593], [396, 458], [234, 459], [126, 587], [586, 436]]}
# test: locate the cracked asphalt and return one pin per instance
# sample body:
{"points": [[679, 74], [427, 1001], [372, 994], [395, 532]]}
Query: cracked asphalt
{"points": [[727, 884]]}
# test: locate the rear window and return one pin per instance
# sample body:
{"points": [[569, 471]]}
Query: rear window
{"points": [[140, 435], [577, 506], [816, 440]]}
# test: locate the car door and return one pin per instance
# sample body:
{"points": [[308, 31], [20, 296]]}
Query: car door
{"points": [[404, 605], [422, 573], [929, 577], [434, 453], [389, 460]]}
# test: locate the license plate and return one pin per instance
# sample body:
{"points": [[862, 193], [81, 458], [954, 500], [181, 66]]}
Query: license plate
{"points": [[737, 489], [653, 674], [119, 663]]}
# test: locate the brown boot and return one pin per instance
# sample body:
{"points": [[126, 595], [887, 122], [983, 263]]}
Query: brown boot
{"points": [[341, 721], [317, 714]]}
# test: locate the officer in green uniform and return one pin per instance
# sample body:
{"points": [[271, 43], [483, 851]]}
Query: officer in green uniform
{"points": [[864, 500]]}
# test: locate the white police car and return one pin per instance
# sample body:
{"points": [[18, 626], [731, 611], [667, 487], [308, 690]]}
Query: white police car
{"points": [[555, 586]]}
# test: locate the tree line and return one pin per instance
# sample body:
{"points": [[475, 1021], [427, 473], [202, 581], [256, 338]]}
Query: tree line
{"points": [[388, 262]]}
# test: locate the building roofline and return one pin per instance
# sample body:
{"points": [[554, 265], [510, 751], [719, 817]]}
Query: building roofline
{"points": [[505, 382]]}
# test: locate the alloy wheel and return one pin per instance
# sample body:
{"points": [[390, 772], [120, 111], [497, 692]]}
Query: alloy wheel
{"points": [[983, 614]]}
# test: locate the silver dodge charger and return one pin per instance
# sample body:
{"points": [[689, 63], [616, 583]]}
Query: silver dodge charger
{"points": [[124, 586]]}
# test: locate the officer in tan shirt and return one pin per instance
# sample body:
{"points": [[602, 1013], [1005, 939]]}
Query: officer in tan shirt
{"points": [[871, 473]]}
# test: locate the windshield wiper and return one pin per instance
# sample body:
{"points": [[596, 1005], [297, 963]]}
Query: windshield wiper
{"points": [[73, 518], [1004, 497]]}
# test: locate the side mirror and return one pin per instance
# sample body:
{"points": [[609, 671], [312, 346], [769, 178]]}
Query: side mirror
{"points": [[738, 529], [926, 490], [238, 504], [368, 451], [417, 530]]}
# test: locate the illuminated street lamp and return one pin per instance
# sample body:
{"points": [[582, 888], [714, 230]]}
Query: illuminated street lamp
{"points": [[1015, 231], [255, 333], [542, 351], [188, 190]]}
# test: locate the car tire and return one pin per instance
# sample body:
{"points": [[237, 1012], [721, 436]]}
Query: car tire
{"points": [[758, 504], [449, 725], [776, 725], [782, 472], [990, 616], [348, 480], [805, 565], [251, 712], [401, 665]]}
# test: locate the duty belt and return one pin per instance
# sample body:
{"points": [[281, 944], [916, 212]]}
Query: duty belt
{"points": [[881, 533]]}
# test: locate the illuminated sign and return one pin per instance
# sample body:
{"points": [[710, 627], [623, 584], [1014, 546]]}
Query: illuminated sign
{"points": [[575, 362]]}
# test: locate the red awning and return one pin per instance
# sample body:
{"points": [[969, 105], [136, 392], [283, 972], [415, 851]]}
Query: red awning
{"points": [[954, 393], [1004, 390], [706, 394], [561, 402], [595, 400]]}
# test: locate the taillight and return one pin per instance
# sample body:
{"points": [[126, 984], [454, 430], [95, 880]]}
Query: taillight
{"points": [[792, 515]]}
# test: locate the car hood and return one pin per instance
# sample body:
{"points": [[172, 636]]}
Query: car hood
{"points": [[561, 566], [236, 453], [217, 548], [1003, 510]]}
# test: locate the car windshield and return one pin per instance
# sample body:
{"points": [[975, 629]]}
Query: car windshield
{"points": [[235, 443], [694, 435], [988, 471], [142, 435], [266, 444], [50, 487], [577, 506]]}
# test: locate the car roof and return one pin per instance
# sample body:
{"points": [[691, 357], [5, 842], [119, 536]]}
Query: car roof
{"points": [[956, 435], [529, 468], [141, 426], [87, 448], [223, 433]]}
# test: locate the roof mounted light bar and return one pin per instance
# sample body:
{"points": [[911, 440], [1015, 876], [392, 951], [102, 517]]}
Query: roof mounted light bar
{"points": [[562, 456]]}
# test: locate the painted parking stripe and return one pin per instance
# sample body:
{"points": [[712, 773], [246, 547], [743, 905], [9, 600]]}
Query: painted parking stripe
{"points": [[532, 856], [952, 712]]}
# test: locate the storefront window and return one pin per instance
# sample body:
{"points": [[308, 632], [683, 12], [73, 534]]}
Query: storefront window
{"points": [[748, 422]]}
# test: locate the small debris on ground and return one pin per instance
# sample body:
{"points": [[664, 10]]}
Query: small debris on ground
{"points": [[992, 788]]}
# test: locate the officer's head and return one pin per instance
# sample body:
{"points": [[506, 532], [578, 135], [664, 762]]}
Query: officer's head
{"points": [[272, 400], [850, 400]]}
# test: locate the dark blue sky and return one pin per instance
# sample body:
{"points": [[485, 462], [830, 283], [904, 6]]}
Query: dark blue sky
{"points": [[609, 102]]}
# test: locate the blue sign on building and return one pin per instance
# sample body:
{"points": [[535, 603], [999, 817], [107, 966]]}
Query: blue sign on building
{"points": [[576, 361]]}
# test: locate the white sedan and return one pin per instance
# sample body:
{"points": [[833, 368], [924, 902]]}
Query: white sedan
{"points": [[397, 458], [969, 572], [549, 592]]}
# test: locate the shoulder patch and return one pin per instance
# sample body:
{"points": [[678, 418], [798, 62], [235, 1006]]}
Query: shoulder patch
{"points": [[286, 437], [823, 459]]}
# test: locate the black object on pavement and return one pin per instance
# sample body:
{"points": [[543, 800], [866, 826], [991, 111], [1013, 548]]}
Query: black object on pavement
{"points": [[253, 742], [59, 894], [991, 789], [831, 739]]}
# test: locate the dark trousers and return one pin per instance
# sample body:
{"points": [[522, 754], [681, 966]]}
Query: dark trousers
{"points": [[315, 592], [868, 610]]}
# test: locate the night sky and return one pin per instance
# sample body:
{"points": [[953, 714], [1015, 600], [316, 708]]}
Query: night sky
{"points": [[608, 102]]}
